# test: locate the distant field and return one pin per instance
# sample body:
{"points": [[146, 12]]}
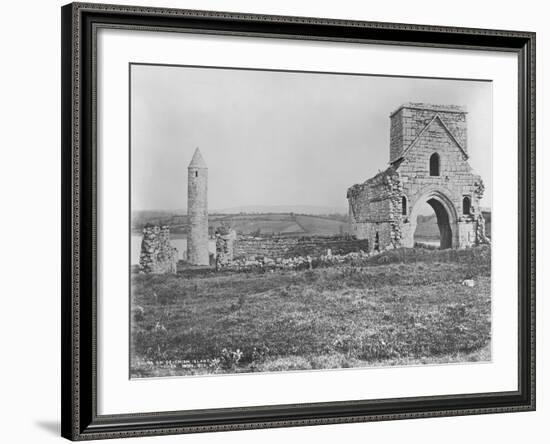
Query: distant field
{"points": [[427, 229], [322, 226], [261, 224], [401, 307], [288, 223], [282, 223]]}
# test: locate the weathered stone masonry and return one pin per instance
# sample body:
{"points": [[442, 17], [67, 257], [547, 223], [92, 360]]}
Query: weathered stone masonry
{"points": [[287, 247], [225, 239], [428, 163], [157, 254], [197, 210]]}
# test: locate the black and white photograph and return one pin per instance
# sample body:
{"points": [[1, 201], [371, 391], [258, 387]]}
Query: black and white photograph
{"points": [[275, 221], [298, 221]]}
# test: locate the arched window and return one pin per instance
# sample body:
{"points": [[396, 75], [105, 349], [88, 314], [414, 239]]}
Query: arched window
{"points": [[403, 205], [466, 205], [376, 242], [434, 164]]}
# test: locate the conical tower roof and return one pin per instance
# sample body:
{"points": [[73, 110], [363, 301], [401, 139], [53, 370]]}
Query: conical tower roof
{"points": [[197, 161]]}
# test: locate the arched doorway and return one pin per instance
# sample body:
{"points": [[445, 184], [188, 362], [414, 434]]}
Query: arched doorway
{"points": [[438, 228]]}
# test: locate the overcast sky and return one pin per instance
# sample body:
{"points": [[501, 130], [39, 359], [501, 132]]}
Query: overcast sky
{"points": [[279, 138]]}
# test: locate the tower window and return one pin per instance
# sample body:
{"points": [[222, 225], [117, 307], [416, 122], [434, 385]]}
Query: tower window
{"points": [[196, 174], [434, 164], [466, 205], [403, 205]]}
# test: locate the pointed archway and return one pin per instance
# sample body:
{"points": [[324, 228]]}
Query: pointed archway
{"points": [[445, 231], [446, 215]]}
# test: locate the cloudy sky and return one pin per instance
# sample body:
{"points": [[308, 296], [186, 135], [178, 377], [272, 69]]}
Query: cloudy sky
{"points": [[279, 138]]}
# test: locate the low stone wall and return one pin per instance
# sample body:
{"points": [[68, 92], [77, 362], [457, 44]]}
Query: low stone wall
{"points": [[298, 262], [288, 247]]}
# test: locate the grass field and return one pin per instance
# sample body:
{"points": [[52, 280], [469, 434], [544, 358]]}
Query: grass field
{"points": [[404, 306]]}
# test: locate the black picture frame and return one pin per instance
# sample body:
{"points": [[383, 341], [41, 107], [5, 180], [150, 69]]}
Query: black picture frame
{"points": [[79, 386]]}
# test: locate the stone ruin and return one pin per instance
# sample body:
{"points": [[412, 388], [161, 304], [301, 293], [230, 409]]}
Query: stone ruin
{"points": [[225, 241], [273, 247], [428, 164], [157, 255], [272, 252]]}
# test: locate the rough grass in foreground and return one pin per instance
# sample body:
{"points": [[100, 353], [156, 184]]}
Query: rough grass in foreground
{"points": [[402, 307]]}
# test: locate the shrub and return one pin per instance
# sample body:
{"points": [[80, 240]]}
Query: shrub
{"points": [[229, 359]]}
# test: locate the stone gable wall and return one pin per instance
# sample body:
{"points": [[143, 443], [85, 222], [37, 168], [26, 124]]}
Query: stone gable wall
{"points": [[435, 140], [456, 179]]}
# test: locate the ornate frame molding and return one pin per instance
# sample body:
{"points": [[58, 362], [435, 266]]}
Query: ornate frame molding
{"points": [[79, 407]]}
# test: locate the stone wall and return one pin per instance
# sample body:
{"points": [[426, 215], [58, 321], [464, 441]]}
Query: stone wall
{"points": [[456, 176], [410, 119], [375, 210], [379, 235], [225, 246], [157, 253], [287, 247], [373, 200]]}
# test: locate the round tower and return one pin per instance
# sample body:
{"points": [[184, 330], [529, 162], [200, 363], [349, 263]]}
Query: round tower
{"points": [[197, 211]]}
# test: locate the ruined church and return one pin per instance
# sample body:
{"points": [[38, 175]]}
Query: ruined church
{"points": [[428, 164]]}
